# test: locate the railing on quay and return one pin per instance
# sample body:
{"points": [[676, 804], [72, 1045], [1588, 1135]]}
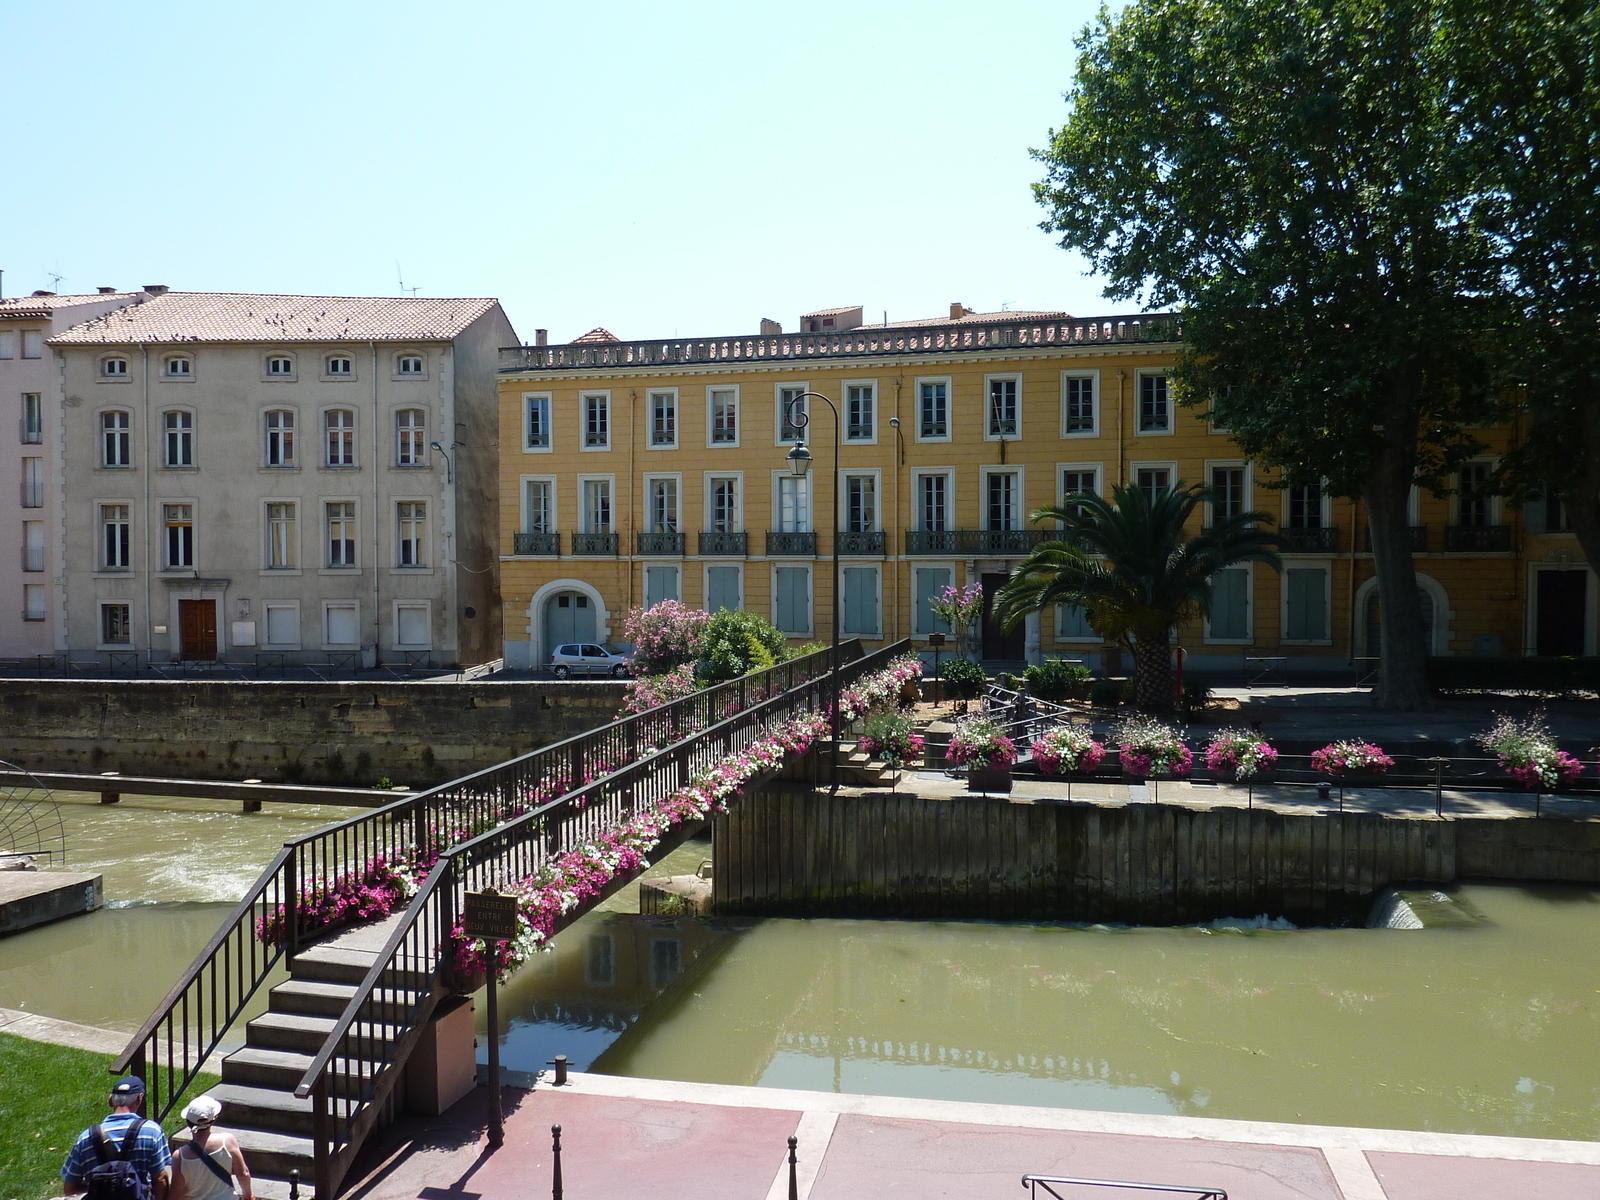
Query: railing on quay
{"points": [[346, 1079], [1034, 1182], [954, 337], [191, 1022]]}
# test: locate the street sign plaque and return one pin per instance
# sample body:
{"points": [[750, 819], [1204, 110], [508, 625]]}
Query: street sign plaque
{"points": [[490, 915]]}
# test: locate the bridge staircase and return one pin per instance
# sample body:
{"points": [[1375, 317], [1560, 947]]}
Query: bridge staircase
{"points": [[317, 1072]]}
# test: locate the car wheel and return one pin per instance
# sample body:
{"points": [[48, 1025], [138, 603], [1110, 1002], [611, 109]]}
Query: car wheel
{"points": [[619, 671], [561, 672]]}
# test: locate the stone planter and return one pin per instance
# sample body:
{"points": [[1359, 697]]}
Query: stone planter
{"points": [[989, 779]]}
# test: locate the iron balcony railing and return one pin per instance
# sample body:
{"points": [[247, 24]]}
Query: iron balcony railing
{"points": [[736, 544], [1324, 539], [536, 543], [977, 541], [793, 543], [1418, 535], [862, 542], [661, 542], [1477, 539], [955, 337], [595, 543]]}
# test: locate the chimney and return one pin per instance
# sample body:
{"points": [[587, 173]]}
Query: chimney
{"points": [[156, 289], [105, 291], [770, 328], [541, 337], [42, 292], [958, 310]]}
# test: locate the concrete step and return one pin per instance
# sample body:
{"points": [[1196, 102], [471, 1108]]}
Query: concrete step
{"points": [[289, 1031], [312, 997], [274, 1152], [254, 1066], [333, 964], [263, 1108]]}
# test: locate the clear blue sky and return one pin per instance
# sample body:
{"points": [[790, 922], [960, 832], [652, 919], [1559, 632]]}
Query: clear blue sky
{"points": [[657, 169]]}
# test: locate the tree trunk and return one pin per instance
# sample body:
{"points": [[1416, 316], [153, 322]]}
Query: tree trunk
{"points": [[1152, 673], [1583, 505], [1403, 658]]}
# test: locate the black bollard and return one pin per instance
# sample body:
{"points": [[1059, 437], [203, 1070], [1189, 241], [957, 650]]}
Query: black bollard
{"points": [[555, 1176], [559, 1062], [794, 1183], [1323, 790], [294, 1185]]}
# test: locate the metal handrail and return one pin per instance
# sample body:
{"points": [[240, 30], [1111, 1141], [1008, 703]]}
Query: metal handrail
{"points": [[1034, 1182]]}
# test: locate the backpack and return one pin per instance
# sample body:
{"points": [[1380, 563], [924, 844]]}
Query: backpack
{"points": [[114, 1177]]}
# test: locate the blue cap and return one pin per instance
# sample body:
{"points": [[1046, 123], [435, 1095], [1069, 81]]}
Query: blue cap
{"points": [[128, 1085]]}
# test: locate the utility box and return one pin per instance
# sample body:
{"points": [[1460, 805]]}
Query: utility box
{"points": [[444, 1066]]}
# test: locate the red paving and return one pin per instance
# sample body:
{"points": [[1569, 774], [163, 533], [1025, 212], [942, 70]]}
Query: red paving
{"points": [[620, 1145]]}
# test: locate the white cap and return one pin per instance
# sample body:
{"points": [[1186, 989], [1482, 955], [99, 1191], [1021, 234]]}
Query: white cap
{"points": [[202, 1110]]}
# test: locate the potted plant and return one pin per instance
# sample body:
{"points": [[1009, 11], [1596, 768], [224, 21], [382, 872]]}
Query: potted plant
{"points": [[1240, 754], [963, 680], [1066, 749], [1351, 758], [982, 747], [1057, 682], [892, 738], [1527, 752], [1147, 747]]}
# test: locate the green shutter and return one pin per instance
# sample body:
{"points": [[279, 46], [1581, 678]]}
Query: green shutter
{"points": [[859, 616], [660, 583], [1072, 622], [1308, 610], [931, 582], [792, 607], [722, 588], [1230, 604]]}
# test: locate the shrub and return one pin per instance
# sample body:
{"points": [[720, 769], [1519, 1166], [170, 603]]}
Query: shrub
{"points": [[651, 690], [1058, 681], [979, 742], [1195, 696], [1527, 752], [1067, 748], [1351, 758], [1107, 693], [666, 636], [963, 679], [738, 641], [1242, 752], [892, 738], [1150, 747]]}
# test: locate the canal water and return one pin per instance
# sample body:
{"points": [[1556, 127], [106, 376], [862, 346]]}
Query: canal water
{"points": [[1492, 1028]]}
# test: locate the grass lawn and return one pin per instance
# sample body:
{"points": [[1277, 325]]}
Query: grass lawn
{"points": [[49, 1095]]}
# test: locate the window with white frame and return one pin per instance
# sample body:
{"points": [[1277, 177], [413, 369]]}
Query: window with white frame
{"points": [[279, 366], [1153, 480], [32, 418], [177, 432], [791, 600], [1005, 393], [1078, 418], [1305, 606], [723, 405], [1077, 479], [341, 522], [928, 584], [281, 539], [794, 504], [116, 537], [178, 366], [597, 506], [412, 627], [660, 583], [1227, 492], [860, 412], [1155, 404], [933, 501], [789, 397], [115, 367], [663, 514], [933, 410], [341, 626], [116, 624], [338, 366], [1229, 619], [1474, 504], [860, 503], [858, 613], [1305, 506], [8, 344], [33, 546], [283, 625], [340, 426], [178, 523], [33, 346], [664, 419], [411, 517], [116, 438], [1003, 500], [33, 602], [409, 364], [1072, 624], [722, 493], [536, 421], [539, 506], [411, 438], [280, 437], [724, 585], [597, 421]]}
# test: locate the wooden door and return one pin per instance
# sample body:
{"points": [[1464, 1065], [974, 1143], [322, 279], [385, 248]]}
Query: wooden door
{"points": [[1559, 617], [197, 627], [997, 643]]}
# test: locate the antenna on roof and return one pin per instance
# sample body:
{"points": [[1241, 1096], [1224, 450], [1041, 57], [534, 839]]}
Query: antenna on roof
{"points": [[401, 279], [55, 279]]}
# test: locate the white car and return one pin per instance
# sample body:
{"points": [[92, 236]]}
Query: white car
{"points": [[588, 658]]}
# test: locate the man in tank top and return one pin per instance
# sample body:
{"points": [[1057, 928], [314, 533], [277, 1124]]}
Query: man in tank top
{"points": [[207, 1167]]}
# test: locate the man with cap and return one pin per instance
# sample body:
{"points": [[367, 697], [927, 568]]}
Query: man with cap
{"points": [[148, 1153]]}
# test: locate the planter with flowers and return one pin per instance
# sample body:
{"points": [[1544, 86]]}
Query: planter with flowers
{"points": [[1240, 754], [1527, 752], [1148, 748], [892, 739], [988, 754], [1351, 758], [1067, 749]]}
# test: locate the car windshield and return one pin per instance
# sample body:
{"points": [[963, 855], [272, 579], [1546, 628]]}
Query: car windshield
{"points": [[620, 649]]}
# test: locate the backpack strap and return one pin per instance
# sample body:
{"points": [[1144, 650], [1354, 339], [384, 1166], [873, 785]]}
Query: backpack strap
{"points": [[225, 1176], [104, 1150], [130, 1141]]}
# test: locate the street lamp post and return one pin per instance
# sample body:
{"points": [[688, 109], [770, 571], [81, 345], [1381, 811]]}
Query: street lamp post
{"points": [[799, 465]]}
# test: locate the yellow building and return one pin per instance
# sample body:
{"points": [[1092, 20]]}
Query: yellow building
{"points": [[632, 472]]}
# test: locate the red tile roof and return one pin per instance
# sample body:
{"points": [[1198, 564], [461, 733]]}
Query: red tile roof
{"points": [[249, 317]]}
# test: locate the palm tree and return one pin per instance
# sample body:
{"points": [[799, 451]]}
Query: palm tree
{"points": [[1129, 566]]}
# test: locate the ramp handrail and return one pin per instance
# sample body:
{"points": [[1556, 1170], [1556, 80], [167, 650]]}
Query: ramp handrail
{"points": [[189, 1024], [380, 1020], [1034, 1182]]}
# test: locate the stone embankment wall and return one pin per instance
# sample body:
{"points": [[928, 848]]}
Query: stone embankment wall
{"points": [[292, 732], [790, 851]]}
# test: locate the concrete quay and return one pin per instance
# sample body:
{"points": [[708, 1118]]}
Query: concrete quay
{"points": [[29, 898], [629, 1137]]}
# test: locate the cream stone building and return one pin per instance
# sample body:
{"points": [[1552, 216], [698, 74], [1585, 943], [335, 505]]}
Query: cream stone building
{"points": [[280, 480]]}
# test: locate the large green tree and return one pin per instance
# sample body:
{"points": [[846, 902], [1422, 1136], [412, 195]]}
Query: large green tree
{"points": [[1290, 175]]}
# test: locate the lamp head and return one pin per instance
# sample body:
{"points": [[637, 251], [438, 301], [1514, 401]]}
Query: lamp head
{"points": [[895, 422], [436, 446], [799, 460]]}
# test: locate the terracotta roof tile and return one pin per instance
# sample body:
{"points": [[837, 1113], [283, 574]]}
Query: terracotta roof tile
{"points": [[247, 317], [977, 318], [598, 334], [16, 305]]}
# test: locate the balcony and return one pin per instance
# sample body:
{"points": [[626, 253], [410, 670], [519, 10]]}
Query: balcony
{"points": [[1477, 539], [660, 542], [1417, 533], [792, 543], [536, 543], [1322, 540], [977, 541], [595, 543], [735, 545], [862, 542]]}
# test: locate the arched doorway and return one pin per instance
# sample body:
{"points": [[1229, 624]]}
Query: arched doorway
{"points": [[1374, 622], [569, 616]]}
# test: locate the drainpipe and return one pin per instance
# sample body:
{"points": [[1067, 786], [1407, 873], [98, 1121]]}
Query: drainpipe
{"points": [[377, 520], [1121, 378], [899, 461]]}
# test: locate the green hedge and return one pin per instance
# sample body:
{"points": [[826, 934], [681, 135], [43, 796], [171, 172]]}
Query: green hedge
{"points": [[1531, 676]]}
